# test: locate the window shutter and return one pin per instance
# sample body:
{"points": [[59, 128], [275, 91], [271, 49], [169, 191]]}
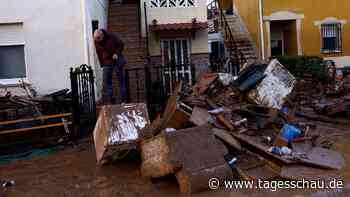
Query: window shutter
{"points": [[11, 34]]}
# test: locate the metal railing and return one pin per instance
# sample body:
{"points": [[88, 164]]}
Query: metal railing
{"points": [[83, 100], [236, 57], [154, 84]]}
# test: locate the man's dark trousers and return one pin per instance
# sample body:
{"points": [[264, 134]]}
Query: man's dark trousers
{"points": [[108, 81]]}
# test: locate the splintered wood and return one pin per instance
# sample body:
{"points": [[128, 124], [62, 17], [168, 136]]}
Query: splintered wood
{"points": [[193, 155]]}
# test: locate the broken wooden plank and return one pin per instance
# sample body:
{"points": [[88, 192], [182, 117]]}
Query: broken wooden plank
{"points": [[300, 172], [251, 144], [252, 166], [200, 146], [204, 83], [221, 118], [197, 181], [192, 151], [263, 172], [227, 137], [174, 116], [324, 158], [323, 118], [200, 116]]}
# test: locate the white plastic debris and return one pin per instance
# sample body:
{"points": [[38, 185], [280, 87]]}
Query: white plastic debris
{"points": [[216, 111], [168, 130], [226, 78], [240, 122], [275, 87], [280, 150]]}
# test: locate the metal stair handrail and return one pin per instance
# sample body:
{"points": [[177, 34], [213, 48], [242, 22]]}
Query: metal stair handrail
{"points": [[237, 57]]}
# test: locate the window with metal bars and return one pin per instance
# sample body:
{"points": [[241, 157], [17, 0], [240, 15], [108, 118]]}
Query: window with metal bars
{"points": [[331, 38], [176, 56], [172, 3], [175, 51]]}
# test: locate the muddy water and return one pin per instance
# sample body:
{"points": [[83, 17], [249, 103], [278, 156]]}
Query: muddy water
{"points": [[73, 173]]}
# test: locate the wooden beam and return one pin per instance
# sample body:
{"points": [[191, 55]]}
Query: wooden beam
{"points": [[33, 119], [33, 128]]}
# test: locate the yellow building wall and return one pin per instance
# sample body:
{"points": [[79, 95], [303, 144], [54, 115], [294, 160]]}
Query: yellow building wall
{"points": [[249, 12], [314, 10], [292, 47], [226, 4]]}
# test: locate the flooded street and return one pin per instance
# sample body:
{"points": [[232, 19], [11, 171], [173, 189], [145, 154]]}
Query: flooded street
{"points": [[73, 173]]}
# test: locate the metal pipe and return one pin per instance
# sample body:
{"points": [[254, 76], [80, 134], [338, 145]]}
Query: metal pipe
{"points": [[147, 33], [261, 21]]}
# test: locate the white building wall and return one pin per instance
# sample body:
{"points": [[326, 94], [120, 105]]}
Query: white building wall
{"points": [[52, 36], [174, 14], [165, 15], [57, 35], [94, 10]]}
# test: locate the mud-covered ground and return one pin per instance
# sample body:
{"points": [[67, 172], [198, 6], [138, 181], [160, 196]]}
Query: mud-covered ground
{"points": [[73, 172]]}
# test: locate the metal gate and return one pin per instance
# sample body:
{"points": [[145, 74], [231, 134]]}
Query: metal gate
{"points": [[154, 84], [83, 100]]}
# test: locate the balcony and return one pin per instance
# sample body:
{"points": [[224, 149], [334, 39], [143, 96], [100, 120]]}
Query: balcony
{"points": [[175, 11], [172, 3]]}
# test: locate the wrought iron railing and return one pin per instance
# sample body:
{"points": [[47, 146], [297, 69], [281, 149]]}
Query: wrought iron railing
{"points": [[83, 100], [154, 84], [236, 57]]}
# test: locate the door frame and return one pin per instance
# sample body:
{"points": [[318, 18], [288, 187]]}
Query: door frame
{"points": [[283, 16]]}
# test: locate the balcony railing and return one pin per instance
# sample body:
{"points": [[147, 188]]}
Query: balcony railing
{"points": [[172, 3]]}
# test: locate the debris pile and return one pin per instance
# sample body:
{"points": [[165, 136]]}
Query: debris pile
{"points": [[30, 122], [262, 124], [14, 107]]}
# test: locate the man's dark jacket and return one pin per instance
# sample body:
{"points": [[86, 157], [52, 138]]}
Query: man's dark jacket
{"points": [[110, 45]]}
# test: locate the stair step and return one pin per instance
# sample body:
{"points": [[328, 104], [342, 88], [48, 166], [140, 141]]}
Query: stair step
{"points": [[125, 32], [123, 19], [130, 16], [118, 5], [123, 26]]}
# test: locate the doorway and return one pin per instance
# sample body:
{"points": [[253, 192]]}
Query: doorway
{"points": [[284, 38]]}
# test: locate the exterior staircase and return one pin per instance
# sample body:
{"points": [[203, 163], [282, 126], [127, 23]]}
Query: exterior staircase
{"points": [[124, 20], [243, 40], [237, 39]]}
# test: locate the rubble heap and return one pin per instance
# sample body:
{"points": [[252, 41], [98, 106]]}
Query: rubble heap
{"points": [[263, 124]]}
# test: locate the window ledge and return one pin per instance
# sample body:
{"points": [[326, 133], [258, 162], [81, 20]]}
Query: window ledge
{"points": [[331, 51], [13, 82]]}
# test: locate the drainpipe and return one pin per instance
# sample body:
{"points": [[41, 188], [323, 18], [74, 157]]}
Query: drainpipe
{"points": [[261, 23], [85, 36]]}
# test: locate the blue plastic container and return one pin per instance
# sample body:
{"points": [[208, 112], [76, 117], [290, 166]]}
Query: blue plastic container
{"points": [[290, 132]]}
